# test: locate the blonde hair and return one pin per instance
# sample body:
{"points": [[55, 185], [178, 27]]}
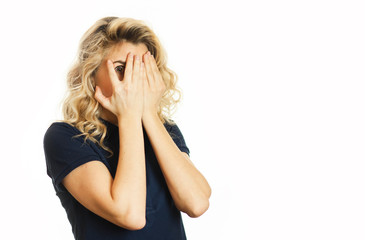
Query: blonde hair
{"points": [[80, 108]]}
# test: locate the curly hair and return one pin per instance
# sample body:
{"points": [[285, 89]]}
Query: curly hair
{"points": [[80, 108]]}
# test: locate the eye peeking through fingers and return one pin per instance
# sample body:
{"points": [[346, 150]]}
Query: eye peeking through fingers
{"points": [[120, 69]]}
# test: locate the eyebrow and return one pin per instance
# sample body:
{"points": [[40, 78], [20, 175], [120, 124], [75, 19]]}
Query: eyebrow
{"points": [[119, 61]]}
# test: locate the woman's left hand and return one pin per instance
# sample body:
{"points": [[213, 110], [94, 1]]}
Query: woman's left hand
{"points": [[154, 87]]}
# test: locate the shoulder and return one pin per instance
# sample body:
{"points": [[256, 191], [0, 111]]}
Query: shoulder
{"points": [[64, 143], [169, 123], [177, 136], [59, 133], [64, 151], [61, 127], [172, 128]]}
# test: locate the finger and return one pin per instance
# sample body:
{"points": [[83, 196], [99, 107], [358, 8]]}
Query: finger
{"points": [[128, 68], [104, 101], [145, 76], [155, 69], [149, 70], [145, 89], [143, 80], [142, 74], [159, 82], [136, 69], [112, 74]]}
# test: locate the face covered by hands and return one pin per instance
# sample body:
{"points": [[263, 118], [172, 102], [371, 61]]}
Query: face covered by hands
{"points": [[128, 82]]}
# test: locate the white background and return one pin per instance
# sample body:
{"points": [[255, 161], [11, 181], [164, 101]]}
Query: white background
{"points": [[273, 112]]}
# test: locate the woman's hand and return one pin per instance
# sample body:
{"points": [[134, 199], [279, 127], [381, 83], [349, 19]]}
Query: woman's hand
{"points": [[154, 87], [127, 95]]}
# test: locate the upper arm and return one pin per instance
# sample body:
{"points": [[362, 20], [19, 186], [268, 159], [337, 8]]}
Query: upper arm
{"points": [[90, 184], [76, 165]]}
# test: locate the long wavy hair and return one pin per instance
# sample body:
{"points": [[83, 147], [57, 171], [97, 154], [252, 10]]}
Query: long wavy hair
{"points": [[80, 108]]}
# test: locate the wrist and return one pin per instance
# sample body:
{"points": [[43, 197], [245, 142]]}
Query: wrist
{"points": [[128, 118], [150, 113]]}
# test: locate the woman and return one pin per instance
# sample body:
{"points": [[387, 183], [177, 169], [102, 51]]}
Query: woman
{"points": [[118, 163]]}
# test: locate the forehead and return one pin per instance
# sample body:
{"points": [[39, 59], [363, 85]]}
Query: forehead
{"points": [[120, 50]]}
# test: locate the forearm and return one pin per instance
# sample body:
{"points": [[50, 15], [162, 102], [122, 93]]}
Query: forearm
{"points": [[188, 187], [129, 184]]}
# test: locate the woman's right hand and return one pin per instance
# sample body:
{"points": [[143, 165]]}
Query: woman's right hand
{"points": [[127, 96]]}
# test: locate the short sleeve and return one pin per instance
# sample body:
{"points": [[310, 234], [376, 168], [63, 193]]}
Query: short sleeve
{"points": [[178, 138], [63, 153]]}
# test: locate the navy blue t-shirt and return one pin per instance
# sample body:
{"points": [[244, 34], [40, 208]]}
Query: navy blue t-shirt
{"points": [[64, 153]]}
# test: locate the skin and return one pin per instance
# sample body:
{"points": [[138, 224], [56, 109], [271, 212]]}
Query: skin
{"points": [[130, 98], [118, 55]]}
